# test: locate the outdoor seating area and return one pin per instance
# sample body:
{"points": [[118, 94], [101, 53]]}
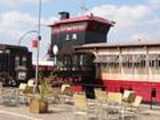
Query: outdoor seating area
{"points": [[105, 106]]}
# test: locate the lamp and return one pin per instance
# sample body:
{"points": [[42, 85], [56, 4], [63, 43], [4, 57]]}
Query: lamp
{"points": [[38, 44], [55, 52]]}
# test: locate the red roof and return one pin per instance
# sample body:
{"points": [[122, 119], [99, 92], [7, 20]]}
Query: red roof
{"points": [[84, 18]]}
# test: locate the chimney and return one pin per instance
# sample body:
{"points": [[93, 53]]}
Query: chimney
{"points": [[64, 15]]}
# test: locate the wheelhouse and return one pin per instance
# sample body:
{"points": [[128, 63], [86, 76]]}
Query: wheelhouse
{"points": [[127, 66]]}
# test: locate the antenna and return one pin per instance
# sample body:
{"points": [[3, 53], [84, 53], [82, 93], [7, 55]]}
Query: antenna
{"points": [[83, 7]]}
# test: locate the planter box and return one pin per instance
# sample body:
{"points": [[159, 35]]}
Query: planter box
{"points": [[38, 106]]}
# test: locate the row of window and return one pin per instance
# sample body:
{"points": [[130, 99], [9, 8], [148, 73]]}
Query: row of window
{"points": [[132, 61], [20, 61], [6, 62], [133, 70], [77, 60], [71, 37]]}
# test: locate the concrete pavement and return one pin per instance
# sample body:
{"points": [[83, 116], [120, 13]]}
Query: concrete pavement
{"points": [[59, 112]]}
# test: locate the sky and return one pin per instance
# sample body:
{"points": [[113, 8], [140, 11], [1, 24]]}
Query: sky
{"points": [[135, 19]]}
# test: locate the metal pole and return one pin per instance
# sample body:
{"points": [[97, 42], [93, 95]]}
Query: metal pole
{"points": [[24, 35], [38, 47], [55, 60]]}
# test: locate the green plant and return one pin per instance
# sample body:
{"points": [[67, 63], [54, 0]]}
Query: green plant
{"points": [[44, 89], [53, 74], [41, 75]]}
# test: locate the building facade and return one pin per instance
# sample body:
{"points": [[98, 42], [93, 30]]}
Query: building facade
{"points": [[15, 64], [71, 31], [128, 67]]}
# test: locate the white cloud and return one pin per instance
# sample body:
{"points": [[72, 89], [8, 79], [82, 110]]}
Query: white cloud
{"points": [[19, 2], [132, 22], [50, 20], [140, 37], [123, 15], [18, 22], [154, 3], [15, 24]]}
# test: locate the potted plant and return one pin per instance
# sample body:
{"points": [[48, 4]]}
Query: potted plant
{"points": [[39, 102]]}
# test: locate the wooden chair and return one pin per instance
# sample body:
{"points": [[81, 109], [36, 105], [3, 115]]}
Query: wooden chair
{"points": [[101, 96], [101, 100], [22, 87], [22, 99], [66, 94], [10, 98], [114, 97], [1, 93], [136, 104], [81, 108], [132, 111], [64, 87], [55, 99], [114, 105], [30, 83], [128, 96]]}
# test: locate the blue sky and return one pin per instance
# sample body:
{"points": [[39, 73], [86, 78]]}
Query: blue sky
{"points": [[135, 19]]}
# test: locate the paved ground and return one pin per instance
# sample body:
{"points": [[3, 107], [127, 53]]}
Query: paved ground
{"points": [[22, 113], [62, 112]]}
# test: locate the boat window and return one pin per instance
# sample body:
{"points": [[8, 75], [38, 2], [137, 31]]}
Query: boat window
{"points": [[140, 61], [153, 92], [109, 63], [67, 37], [74, 36], [127, 61], [24, 60], [17, 61]]}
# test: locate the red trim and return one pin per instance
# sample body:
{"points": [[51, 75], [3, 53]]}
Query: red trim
{"points": [[69, 31], [83, 18], [141, 88], [76, 89]]}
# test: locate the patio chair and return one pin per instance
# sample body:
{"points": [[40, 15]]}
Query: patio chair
{"points": [[114, 106], [128, 96], [54, 98], [22, 87], [22, 98], [132, 111], [101, 96], [30, 83], [114, 98], [81, 108], [100, 101], [66, 94], [136, 104], [1, 93], [64, 88], [10, 97]]}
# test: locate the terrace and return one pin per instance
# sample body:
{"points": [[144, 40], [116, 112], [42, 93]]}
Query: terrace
{"points": [[66, 105]]}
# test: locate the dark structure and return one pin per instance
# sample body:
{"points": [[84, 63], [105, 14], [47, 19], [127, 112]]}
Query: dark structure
{"points": [[15, 64], [70, 32]]}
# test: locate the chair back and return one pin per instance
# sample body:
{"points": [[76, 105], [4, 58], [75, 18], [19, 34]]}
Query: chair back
{"points": [[56, 90], [30, 83], [114, 97], [22, 86], [128, 96], [137, 101], [64, 87], [80, 102], [100, 95], [1, 88]]}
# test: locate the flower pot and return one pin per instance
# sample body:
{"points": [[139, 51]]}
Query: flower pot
{"points": [[43, 106], [38, 106]]}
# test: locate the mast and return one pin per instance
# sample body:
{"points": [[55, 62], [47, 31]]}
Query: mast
{"points": [[83, 7]]}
